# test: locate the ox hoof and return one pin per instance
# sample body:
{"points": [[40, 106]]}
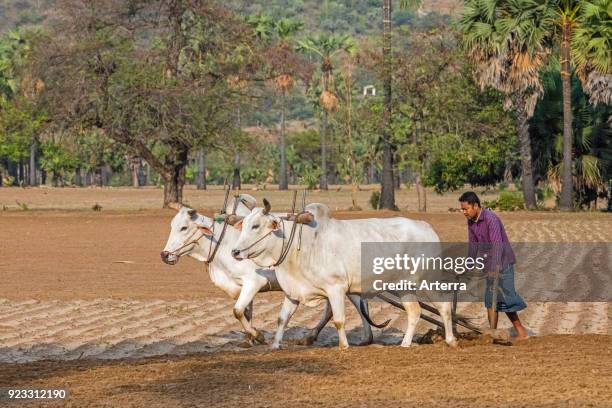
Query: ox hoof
{"points": [[258, 338], [453, 343], [245, 344], [406, 344], [275, 346], [343, 347]]}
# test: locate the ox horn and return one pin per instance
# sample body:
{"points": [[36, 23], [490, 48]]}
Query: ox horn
{"points": [[304, 218], [267, 206], [233, 219], [246, 202], [175, 206]]}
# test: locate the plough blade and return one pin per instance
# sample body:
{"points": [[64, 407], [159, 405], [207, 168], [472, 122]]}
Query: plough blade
{"points": [[461, 321]]}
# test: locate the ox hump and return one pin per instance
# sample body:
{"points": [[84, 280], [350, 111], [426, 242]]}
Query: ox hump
{"points": [[320, 211]]}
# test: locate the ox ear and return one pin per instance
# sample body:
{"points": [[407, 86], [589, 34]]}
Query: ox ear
{"points": [[267, 206], [233, 219], [193, 214], [205, 230], [274, 224], [238, 225]]}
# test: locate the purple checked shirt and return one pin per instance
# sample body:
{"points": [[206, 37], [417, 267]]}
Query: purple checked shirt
{"points": [[488, 229]]}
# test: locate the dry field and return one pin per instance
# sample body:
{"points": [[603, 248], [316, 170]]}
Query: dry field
{"points": [[86, 304]]}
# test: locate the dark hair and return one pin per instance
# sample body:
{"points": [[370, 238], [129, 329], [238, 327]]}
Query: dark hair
{"points": [[469, 197]]}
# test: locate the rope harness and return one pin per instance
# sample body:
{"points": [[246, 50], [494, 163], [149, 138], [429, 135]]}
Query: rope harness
{"points": [[186, 244], [211, 252], [285, 247]]}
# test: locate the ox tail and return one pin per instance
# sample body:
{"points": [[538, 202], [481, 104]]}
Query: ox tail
{"points": [[364, 313]]}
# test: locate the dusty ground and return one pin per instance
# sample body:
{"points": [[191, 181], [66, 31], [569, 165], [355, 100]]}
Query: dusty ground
{"points": [[88, 287], [555, 371]]}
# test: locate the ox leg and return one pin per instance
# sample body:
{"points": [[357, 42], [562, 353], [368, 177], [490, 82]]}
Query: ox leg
{"points": [[313, 333], [367, 337], [413, 310], [248, 312], [445, 309], [287, 310], [245, 299], [336, 300]]}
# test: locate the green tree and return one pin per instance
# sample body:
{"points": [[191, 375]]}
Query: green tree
{"points": [[283, 64], [515, 38], [20, 89], [447, 133], [387, 194], [592, 149], [158, 77], [326, 47]]}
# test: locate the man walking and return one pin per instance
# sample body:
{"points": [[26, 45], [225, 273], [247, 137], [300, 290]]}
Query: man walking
{"points": [[487, 232]]}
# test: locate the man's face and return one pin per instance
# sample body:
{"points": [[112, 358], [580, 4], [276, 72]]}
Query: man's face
{"points": [[470, 210]]}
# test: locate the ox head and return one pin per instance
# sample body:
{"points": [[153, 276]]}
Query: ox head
{"points": [[261, 235], [186, 233]]}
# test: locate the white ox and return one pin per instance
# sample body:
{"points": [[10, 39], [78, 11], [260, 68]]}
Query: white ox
{"points": [[196, 235], [328, 265]]}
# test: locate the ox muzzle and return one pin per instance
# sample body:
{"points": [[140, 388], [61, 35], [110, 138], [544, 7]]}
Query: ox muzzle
{"points": [[169, 258]]}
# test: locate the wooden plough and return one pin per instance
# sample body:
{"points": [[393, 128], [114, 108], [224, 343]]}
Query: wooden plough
{"points": [[462, 321], [496, 334]]}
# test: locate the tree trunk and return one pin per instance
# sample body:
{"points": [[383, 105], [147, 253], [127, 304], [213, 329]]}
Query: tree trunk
{"points": [[97, 178], [174, 176], [173, 188], [508, 171], [421, 192], [201, 178], [21, 172], [33, 151], [566, 202], [236, 177], [324, 126], [78, 180], [387, 195], [522, 125], [397, 180], [283, 183], [11, 169], [135, 167], [147, 174]]}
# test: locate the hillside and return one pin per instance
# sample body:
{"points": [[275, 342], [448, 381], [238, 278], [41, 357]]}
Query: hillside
{"points": [[356, 17]]}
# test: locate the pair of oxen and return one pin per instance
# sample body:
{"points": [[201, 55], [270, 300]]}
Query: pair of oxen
{"points": [[259, 251]]}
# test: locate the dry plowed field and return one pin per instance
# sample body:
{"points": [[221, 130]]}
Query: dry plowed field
{"points": [[87, 305]]}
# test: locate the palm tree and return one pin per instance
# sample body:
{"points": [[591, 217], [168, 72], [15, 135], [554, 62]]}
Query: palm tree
{"points": [[387, 194], [326, 46], [284, 29], [504, 61], [510, 42], [592, 50], [283, 66]]}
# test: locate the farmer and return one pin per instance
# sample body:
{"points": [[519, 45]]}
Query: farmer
{"points": [[485, 227]]}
